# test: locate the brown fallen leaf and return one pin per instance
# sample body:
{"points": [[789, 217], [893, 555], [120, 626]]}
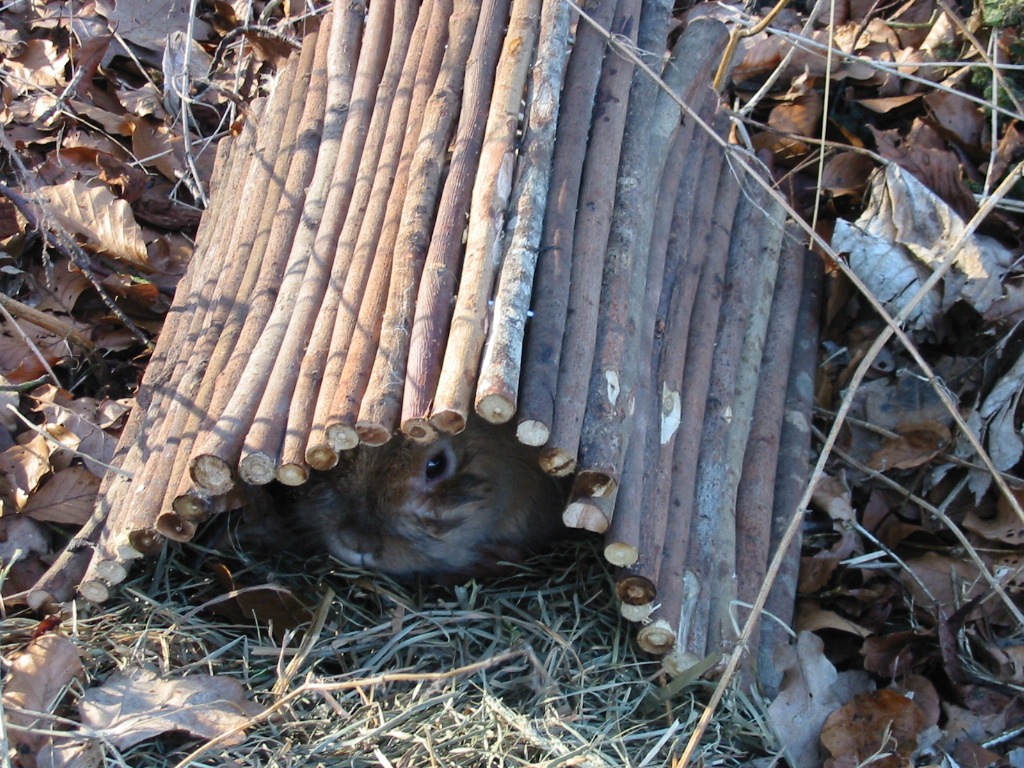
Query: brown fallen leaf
{"points": [[916, 445], [106, 223], [34, 687], [846, 173], [136, 705], [22, 467], [881, 725], [67, 497], [811, 689], [268, 605], [1004, 526]]}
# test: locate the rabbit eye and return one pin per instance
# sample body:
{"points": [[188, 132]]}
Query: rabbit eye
{"points": [[440, 465]]}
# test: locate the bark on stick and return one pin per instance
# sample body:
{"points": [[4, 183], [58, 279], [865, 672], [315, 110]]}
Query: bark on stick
{"points": [[315, 241], [625, 330], [217, 450], [498, 386], [711, 235], [593, 221], [384, 217], [382, 402], [765, 216], [231, 306], [794, 469], [551, 290], [436, 295], [373, 56], [756, 494], [489, 209], [319, 452]]}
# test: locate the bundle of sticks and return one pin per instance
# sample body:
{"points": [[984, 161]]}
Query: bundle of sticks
{"points": [[426, 218]]}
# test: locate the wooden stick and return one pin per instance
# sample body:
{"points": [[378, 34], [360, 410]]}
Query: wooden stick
{"points": [[487, 215], [622, 541], [589, 512], [543, 349], [231, 304], [498, 387], [711, 226], [437, 285], [712, 554], [794, 468], [382, 144], [669, 314], [381, 406], [755, 497], [625, 327], [154, 477], [762, 264], [111, 517], [260, 452], [217, 450], [359, 144], [385, 215], [620, 345], [593, 222], [685, 257], [293, 469]]}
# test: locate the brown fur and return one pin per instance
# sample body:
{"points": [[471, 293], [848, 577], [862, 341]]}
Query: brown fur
{"points": [[381, 509]]}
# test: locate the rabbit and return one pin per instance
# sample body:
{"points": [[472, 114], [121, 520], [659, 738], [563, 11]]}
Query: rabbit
{"points": [[454, 507]]}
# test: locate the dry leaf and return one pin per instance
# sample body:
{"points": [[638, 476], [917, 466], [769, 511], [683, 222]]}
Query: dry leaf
{"points": [[950, 582], [136, 705], [1005, 526], [811, 689], [67, 497], [903, 235], [1003, 440], [268, 605], [34, 686], [916, 444], [104, 221], [79, 418], [18, 362], [882, 722], [22, 467], [846, 173], [959, 117]]}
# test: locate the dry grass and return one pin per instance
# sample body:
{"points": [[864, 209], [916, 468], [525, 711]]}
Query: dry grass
{"points": [[533, 669]]}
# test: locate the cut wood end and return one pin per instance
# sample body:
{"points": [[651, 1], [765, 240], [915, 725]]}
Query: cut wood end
{"points": [[532, 432], [322, 457], [212, 473], [450, 421], [371, 433], [41, 601], [589, 517], [94, 590], [636, 613], [146, 540], [496, 409], [191, 506], [257, 468], [558, 462], [594, 482], [175, 527], [342, 437], [680, 662], [292, 474], [636, 590], [419, 430], [620, 553], [111, 571], [657, 638]]}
